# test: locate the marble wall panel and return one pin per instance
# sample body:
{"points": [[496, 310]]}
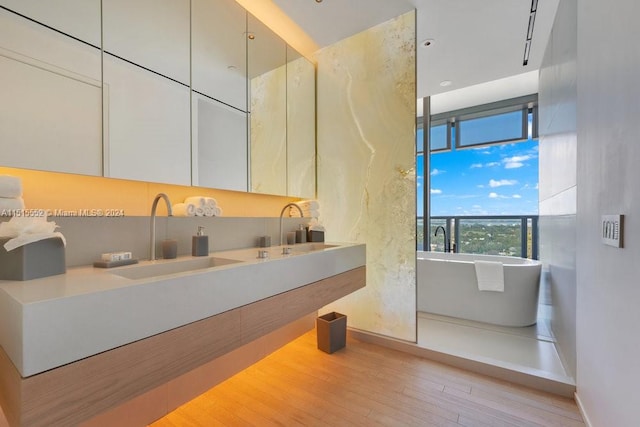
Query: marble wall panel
{"points": [[366, 168]]}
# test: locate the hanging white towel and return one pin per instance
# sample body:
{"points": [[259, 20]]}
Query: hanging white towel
{"points": [[490, 276]]}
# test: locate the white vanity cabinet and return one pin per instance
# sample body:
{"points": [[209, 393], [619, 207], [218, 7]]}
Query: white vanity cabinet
{"points": [[150, 33], [146, 125], [219, 51], [50, 103], [77, 18], [219, 145]]}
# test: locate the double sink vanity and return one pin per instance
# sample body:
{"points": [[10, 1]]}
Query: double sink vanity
{"points": [[77, 344]]}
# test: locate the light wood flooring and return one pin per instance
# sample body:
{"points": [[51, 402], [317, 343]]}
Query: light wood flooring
{"points": [[367, 385]]}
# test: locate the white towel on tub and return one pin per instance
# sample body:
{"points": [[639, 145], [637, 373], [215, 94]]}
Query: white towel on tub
{"points": [[490, 276]]}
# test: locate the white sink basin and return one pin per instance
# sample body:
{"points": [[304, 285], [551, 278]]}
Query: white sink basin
{"points": [[311, 247], [163, 268]]}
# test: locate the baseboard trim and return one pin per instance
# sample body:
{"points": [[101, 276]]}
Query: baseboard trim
{"points": [[550, 385], [583, 411]]}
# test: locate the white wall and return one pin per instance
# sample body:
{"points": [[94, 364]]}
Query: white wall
{"points": [[608, 177], [557, 95]]}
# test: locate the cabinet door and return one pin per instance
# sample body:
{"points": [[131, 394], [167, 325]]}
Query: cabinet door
{"points": [[77, 18], [147, 125], [219, 51], [220, 145], [151, 33], [50, 107]]}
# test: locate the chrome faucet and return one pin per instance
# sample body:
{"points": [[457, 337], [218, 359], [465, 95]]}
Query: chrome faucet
{"points": [[152, 242], [447, 242], [288, 205]]}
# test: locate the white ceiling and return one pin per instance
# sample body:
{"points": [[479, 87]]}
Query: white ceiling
{"points": [[475, 41]]}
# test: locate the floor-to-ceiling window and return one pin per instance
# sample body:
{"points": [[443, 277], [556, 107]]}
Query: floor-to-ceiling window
{"points": [[482, 182]]}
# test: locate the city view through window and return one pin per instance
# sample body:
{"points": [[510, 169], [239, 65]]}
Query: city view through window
{"points": [[486, 197]]}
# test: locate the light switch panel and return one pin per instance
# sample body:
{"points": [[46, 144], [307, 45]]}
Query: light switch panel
{"points": [[612, 227]]}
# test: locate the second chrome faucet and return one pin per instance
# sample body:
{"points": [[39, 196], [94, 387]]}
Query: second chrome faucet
{"points": [[288, 205]]}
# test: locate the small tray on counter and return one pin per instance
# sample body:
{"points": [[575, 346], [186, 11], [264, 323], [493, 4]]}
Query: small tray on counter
{"points": [[110, 264]]}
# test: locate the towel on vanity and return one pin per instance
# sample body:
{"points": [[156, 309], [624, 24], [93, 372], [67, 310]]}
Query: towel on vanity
{"points": [[10, 186], [490, 276], [9, 205], [182, 209]]}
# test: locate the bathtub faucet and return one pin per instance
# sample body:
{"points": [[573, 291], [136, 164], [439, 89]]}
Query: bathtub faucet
{"points": [[447, 242]]}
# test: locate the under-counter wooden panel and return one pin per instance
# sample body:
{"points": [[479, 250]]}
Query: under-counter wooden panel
{"points": [[83, 389], [269, 314]]}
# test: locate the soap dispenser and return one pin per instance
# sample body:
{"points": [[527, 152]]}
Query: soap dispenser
{"points": [[200, 243], [301, 235]]}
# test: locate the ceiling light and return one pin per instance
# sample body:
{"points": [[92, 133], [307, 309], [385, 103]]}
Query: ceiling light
{"points": [[251, 36], [446, 83], [528, 40], [318, 1], [427, 42]]}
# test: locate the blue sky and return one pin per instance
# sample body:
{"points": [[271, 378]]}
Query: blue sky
{"points": [[493, 180]]}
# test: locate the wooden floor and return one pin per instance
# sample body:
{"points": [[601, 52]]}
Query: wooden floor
{"points": [[368, 385]]}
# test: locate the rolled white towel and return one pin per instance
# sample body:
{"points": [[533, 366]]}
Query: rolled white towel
{"points": [[197, 201], [218, 211], [199, 211], [314, 213], [307, 213], [210, 202], [10, 186], [10, 206], [182, 209], [191, 209], [309, 204], [209, 211]]}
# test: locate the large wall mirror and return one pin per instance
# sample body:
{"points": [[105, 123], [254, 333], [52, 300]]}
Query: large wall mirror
{"points": [[188, 92]]}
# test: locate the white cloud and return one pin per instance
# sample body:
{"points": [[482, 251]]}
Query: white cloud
{"points": [[476, 165], [517, 196], [516, 162], [493, 183], [436, 172], [513, 165], [480, 186], [492, 164], [518, 158], [493, 195], [436, 191]]}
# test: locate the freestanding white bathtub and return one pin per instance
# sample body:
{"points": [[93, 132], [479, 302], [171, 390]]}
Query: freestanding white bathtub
{"points": [[447, 285]]}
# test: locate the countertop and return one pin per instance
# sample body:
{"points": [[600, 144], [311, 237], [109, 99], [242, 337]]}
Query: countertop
{"points": [[52, 321]]}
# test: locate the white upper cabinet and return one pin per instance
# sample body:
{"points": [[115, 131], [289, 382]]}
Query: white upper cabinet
{"points": [[150, 33], [77, 18], [50, 103], [146, 125], [219, 51]]}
